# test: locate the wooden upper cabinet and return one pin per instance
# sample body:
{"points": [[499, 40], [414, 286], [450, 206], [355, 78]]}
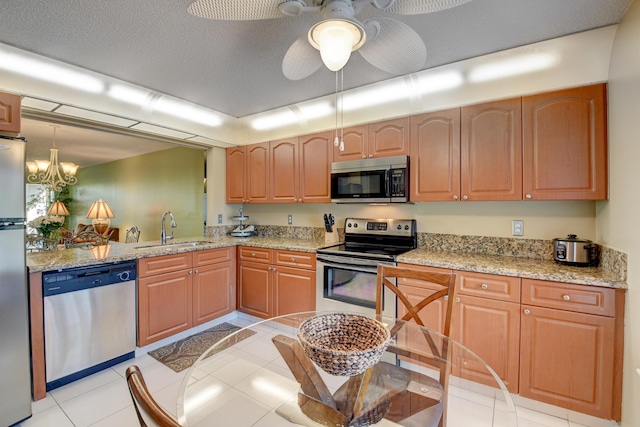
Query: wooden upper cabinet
{"points": [[565, 144], [258, 172], [314, 162], [283, 170], [355, 144], [9, 112], [491, 151], [389, 138], [236, 175], [435, 156]]}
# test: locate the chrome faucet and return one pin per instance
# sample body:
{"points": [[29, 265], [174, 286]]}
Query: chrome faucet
{"points": [[163, 230]]}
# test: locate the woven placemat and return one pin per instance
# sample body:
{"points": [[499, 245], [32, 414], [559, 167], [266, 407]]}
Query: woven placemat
{"points": [[181, 354]]}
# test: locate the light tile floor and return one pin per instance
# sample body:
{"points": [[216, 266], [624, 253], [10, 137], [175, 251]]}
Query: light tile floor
{"points": [[103, 400]]}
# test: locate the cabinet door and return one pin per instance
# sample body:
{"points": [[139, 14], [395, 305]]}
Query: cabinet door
{"points": [[294, 290], [10, 112], [214, 291], [491, 329], [164, 306], [567, 359], [355, 144], [257, 168], [565, 144], [491, 151], [389, 138], [433, 316], [283, 170], [255, 289], [315, 156], [236, 174], [435, 156]]}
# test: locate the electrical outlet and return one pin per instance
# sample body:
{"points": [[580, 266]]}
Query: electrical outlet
{"points": [[219, 218], [290, 219], [517, 227]]}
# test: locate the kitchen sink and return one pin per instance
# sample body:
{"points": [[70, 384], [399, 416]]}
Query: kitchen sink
{"points": [[174, 245]]}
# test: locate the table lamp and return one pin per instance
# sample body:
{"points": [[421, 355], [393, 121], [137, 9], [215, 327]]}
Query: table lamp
{"points": [[100, 213]]}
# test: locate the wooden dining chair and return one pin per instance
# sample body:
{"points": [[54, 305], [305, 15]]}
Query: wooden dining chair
{"points": [[440, 287], [150, 414]]}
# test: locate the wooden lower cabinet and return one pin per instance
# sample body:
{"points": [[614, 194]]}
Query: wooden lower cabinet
{"points": [[275, 282], [177, 292], [571, 346], [255, 289], [491, 329], [164, 306]]}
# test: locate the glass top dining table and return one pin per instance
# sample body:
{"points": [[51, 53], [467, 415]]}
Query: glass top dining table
{"points": [[260, 376]]}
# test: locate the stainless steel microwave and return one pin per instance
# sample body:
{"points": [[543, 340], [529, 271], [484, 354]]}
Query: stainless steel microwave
{"points": [[377, 180]]}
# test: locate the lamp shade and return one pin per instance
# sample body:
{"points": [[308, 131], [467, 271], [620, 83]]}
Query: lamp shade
{"points": [[100, 209], [336, 39], [58, 209]]}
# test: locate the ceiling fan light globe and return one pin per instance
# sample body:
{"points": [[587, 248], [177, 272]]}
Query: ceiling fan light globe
{"points": [[336, 39]]}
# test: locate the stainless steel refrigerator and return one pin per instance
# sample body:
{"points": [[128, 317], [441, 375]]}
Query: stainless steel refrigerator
{"points": [[15, 366]]}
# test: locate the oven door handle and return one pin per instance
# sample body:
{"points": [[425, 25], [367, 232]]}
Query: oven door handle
{"points": [[352, 266]]}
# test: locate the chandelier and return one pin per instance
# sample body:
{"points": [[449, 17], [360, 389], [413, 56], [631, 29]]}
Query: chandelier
{"points": [[51, 173]]}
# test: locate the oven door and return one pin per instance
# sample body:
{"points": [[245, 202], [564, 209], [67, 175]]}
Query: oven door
{"points": [[349, 284]]}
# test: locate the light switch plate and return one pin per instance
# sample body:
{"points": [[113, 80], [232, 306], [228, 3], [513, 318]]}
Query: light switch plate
{"points": [[290, 219], [517, 227], [219, 218]]}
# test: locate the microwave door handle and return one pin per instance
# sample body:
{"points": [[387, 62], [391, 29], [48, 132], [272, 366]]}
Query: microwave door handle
{"points": [[387, 182]]}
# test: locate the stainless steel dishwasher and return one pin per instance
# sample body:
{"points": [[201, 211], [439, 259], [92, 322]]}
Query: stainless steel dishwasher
{"points": [[89, 320]]}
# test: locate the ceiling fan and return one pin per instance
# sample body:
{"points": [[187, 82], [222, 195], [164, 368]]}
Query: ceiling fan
{"points": [[386, 43]]}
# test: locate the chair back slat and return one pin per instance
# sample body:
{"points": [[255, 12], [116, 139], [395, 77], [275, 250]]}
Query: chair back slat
{"points": [[150, 414]]}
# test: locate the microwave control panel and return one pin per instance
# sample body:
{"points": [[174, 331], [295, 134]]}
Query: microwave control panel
{"points": [[398, 182]]}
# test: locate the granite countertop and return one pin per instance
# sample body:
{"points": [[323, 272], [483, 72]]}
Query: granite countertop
{"points": [[116, 252], [513, 266]]}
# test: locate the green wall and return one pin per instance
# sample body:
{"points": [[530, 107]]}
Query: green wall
{"points": [[139, 189]]}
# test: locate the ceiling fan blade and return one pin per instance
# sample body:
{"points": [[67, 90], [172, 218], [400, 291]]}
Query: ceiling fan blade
{"points": [[396, 49], [415, 7], [236, 10], [301, 60]]}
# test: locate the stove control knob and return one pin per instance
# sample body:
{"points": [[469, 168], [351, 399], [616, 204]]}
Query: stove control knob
{"points": [[406, 227], [355, 225], [399, 227], [349, 225]]}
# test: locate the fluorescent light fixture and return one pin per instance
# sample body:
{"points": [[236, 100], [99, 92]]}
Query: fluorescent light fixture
{"points": [[521, 64], [146, 127], [43, 70], [187, 111], [430, 83], [379, 94], [314, 110], [131, 95], [274, 120], [39, 104], [95, 116]]}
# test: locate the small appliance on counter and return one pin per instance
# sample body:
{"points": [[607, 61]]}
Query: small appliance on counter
{"points": [[574, 251], [242, 230]]}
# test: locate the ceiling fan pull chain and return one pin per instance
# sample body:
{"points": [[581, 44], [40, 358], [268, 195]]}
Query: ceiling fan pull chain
{"points": [[336, 142], [342, 109]]}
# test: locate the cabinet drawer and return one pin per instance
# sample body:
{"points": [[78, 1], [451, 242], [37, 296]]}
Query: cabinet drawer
{"points": [[564, 296], [246, 253], [213, 256], [502, 288], [164, 264], [305, 260], [425, 268]]}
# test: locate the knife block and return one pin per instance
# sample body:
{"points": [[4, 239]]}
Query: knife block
{"points": [[331, 237]]}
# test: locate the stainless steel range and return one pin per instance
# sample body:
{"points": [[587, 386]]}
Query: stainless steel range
{"points": [[346, 273]]}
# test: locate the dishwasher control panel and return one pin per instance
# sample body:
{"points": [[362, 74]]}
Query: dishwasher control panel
{"points": [[75, 279]]}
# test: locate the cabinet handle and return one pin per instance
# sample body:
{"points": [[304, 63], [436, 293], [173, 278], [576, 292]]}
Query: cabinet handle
{"points": [[566, 297], [527, 311], [364, 156], [190, 272], [465, 197], [455, 197], [293, 259], [253, 254], [484, 286], [446, 298], [370, 156], [528, 196], [196, 271]]}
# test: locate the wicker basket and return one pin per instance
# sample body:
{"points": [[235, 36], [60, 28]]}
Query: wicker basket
{"points": [[343, 344]]}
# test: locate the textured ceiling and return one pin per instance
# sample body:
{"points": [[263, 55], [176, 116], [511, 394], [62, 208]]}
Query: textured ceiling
{"points": [[235, 67]]}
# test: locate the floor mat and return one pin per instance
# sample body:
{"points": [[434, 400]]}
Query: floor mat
{"points": [[180, 355]]}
